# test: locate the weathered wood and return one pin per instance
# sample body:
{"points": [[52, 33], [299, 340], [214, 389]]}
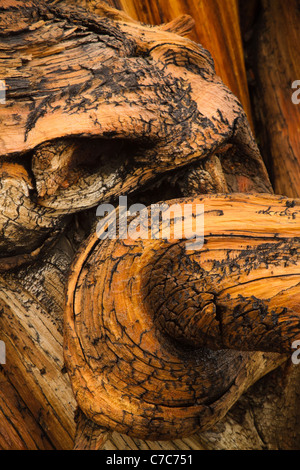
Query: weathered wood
{"points": [[32, 302], [151, 133], [18, 428], [216, 28], [173, 122], [111, 104], [25, 227], [269, 29], [89, 436], [34, 363], [275, 60], [127, 297]]}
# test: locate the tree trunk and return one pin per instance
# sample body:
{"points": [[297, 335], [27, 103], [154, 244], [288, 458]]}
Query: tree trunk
{"points": [[99, 106]]}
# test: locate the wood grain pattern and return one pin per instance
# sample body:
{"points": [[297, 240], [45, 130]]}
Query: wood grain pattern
{"points": [[216, 28], [34, 363], [143, 316], [75, 133], [148, 97], [18, 428], [276, 65], [89, 436]]}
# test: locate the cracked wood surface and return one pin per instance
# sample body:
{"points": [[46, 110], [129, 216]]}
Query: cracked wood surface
{"points": [[149, 98], [147, 88], [19, 428], [60, 168], [69, 45], [150, 324], [35, 363], [25, 227], [275, 60]]}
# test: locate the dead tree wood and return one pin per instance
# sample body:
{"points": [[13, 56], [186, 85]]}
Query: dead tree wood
{"points": [[97, 106]]}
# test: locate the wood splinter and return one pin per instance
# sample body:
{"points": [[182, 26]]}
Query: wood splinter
{"points": [[158, 337]]}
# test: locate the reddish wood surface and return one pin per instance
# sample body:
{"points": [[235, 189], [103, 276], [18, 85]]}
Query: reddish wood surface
{"points": [[276, 65]]}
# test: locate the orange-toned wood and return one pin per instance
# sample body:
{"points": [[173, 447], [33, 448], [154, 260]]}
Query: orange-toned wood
{"points": [[133, 306], [216, 28], [18, 428], [276, 63]]}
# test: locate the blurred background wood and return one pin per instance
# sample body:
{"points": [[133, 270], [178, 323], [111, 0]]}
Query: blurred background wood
{"points": [[273, 45]]}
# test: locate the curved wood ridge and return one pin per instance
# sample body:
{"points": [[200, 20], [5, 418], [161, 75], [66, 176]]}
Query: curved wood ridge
{"points": [[160, 340], [25, 227], [148, 97], [157, 335], [70, 73], [275, 59], [89, 436]]}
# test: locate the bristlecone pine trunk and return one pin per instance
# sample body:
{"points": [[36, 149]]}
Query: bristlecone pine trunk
{"points": [[147, 343]]}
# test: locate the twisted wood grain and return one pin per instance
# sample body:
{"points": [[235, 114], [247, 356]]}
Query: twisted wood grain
{"points": [[147, 85], [275, 61], [151, 327]]}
